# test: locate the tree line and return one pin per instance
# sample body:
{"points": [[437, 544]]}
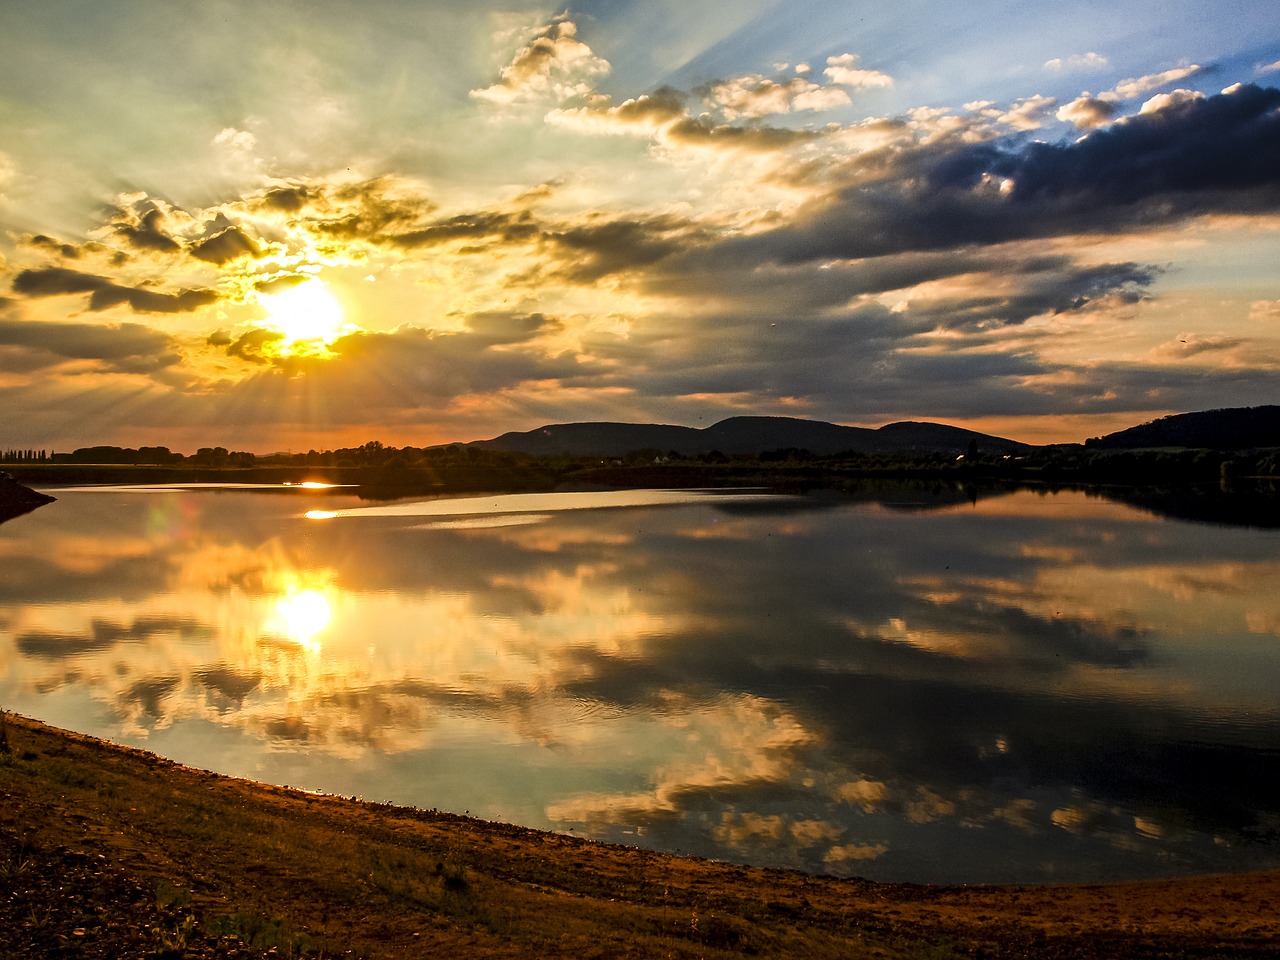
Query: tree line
{"points": [[1057, 463]]}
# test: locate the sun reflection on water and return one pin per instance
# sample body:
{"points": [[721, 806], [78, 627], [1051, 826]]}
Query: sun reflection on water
{"points": [[301, 616]]}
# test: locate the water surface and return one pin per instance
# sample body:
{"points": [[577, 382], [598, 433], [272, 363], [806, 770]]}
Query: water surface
{"points": [[1027, 687]]}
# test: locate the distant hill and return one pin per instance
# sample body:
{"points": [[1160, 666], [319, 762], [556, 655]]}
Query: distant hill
{"points": [[744, 435], [1233, 428]]}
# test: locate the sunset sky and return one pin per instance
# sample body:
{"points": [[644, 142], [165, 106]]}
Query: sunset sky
{"points": [[292, 225]]}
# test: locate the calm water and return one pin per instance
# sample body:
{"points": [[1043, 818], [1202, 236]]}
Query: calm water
{"points": [[1029, 687]]}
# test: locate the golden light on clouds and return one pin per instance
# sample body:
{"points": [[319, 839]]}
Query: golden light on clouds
{"points": [[508, 219]]}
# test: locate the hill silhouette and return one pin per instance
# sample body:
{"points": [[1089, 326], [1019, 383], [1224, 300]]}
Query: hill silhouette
{"points": [[745, 436], [1231, 428]]}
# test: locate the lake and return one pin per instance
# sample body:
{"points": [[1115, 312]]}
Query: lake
{"points": [[917, 684]]}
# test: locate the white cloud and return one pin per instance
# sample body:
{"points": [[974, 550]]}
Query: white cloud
{"points": [[844, 71], [1087, 111], [1078, 61], [641, 115], [1162, 101], [8, 173], [1029, 113], [754, 96], [1270, 68], [1139, 85], [1265, 310], [554, 64]]}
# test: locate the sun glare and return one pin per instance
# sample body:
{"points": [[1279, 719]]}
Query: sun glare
{"points": [[305, 313], [301, 615]]}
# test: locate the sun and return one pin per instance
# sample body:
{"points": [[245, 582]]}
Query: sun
{"points": [[305, 313], [301, 615]]}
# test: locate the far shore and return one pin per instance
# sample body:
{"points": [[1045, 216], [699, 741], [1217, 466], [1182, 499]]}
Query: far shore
{"points": [[107, 851]]}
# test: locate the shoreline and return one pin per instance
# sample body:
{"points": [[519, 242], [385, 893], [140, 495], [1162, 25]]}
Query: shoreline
{"points": [[234, 868]]}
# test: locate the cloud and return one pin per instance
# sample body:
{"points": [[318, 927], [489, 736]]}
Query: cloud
{"points": [[1270, 67], [1087, 111], [553, 65], [1078, 61], [104, 293], [1028, 113], [1128, 89], [705, 133], [146, 225], [121, 348], [1187, 345], [147, 235], [225, 246], [755, 96], [506, 226], [497, 327], [281, 283], [67, 251], [236, 150], [1267, 311], [254, 345], [1163, 101], [641, 115], [596, 248], [843, 70], [8, 172], [1219, 154], [664, 116]]}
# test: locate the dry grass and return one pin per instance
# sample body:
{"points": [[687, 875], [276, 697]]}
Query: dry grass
{"points": [[224, 867]]}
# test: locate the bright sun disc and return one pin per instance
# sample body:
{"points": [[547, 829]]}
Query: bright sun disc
{"points": [[306, 312], [303, 614]]}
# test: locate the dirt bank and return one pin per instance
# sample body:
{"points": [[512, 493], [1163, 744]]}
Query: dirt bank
{"points": [[112, 852]]}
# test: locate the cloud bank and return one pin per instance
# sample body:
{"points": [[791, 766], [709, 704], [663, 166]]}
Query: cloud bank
{"points": [[753, 242]]}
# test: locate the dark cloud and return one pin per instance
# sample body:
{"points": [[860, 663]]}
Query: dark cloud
{"points": [[52, 281], [230, 244], [287, 199], [703, 132], [278, 284], [104, 293], [510, 327], [371, 210], [229, 687], [125, 347], [508, 227], [595, 249], [102, 635], [252, 346], [50, 245], [1062, 289], [1218, 154], [147, 233], [1198, 149]]}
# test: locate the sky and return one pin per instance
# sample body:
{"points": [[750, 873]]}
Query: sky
{"points": [[306, 225]]}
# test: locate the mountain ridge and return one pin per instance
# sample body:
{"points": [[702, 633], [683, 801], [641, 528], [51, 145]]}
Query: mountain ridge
{"points": [[1227, 428], [744, 435]]}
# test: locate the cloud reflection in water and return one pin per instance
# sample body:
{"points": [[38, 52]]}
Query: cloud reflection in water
{"points": [[1022, 687]]}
